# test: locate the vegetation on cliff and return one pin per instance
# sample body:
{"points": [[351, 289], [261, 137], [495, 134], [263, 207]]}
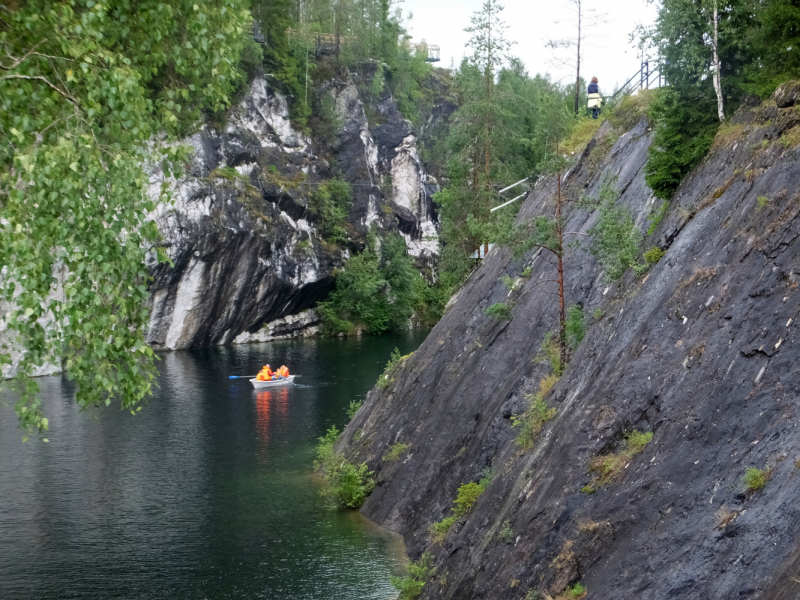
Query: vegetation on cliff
{"points": [[467, 496], [347, 485], [418, 573], [378, 290], [752, 46]]}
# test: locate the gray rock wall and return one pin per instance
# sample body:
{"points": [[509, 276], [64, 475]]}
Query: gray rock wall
{"points": [[701, 351], [245, 249]]}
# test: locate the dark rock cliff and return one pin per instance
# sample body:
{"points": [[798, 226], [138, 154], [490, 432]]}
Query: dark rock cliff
{"points": [[248, 261], [701, 351]]}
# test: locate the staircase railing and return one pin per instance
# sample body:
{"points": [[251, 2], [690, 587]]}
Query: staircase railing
{"points": [[648, 75]]}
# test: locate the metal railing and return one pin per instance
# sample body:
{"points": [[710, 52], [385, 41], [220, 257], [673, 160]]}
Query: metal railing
{"points": [[646, 77], [431, 52]]}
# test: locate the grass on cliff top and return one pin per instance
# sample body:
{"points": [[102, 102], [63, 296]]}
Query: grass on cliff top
{"points": [[727, 134], [581, 134], [631, 108], [623, 116]]}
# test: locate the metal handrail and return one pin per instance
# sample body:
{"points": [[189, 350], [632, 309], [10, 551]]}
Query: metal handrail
{"points": [[646, 78]]}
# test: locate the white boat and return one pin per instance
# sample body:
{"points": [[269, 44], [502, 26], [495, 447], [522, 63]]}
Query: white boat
{"points": [[272, 382]]}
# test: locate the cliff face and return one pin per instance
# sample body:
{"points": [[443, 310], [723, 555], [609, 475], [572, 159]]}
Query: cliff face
{"points": [[701, 351], [248, 261]]}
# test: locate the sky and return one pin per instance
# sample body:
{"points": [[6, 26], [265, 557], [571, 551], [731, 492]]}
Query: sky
{"points": [[611, 57]]}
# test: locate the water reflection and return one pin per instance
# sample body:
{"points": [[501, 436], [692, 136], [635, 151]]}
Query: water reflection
{"points": [[271, 405], [206, 493]]}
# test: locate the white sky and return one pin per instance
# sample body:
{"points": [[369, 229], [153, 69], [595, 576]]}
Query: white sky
{"points": [[610, 57]]}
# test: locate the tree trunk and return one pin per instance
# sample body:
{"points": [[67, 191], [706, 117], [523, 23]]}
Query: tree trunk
{"points": [[487, 117], [717, 69], [562, 314], [578, 64]]}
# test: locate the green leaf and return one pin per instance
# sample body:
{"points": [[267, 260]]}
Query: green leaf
{"points": [[84, 181]]}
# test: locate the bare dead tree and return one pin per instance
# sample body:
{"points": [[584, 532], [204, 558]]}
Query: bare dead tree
{"points": [[583, 20]]}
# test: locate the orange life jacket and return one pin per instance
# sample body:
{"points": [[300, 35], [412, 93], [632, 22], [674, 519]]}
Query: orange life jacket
{"points": [[265, 374]]}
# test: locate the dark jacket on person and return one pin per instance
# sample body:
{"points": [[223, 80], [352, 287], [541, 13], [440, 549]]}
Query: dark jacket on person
{"points": [[593, 89]]}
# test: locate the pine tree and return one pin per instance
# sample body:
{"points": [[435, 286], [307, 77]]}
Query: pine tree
{"points": [[547, 232], [775, 44], [489, 50]]}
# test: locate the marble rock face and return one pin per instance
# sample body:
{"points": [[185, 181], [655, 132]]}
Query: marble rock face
{"points": [[245, 248]]}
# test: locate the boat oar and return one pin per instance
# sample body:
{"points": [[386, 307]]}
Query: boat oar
{"points": [[251, 376]]}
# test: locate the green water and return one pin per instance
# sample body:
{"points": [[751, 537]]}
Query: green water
{"points": [[207, 493]]}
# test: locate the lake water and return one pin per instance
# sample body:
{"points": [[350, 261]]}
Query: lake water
{"points": [[207, 493]]}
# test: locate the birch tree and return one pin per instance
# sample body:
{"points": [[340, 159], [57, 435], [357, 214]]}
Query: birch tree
{"points": [[715, 65], [85, 89]]}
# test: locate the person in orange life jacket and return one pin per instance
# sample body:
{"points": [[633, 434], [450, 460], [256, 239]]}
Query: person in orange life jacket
{"points": [[283, 371], [266, 374], [595, 100]]}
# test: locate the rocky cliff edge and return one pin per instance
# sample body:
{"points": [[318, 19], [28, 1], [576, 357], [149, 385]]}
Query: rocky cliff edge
{"points": [[701, 352]]}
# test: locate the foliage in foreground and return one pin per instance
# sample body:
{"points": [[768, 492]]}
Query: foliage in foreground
{"points": [[348, 485], [609, 467], [419, 572], [87, 89], [468, 494]]}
